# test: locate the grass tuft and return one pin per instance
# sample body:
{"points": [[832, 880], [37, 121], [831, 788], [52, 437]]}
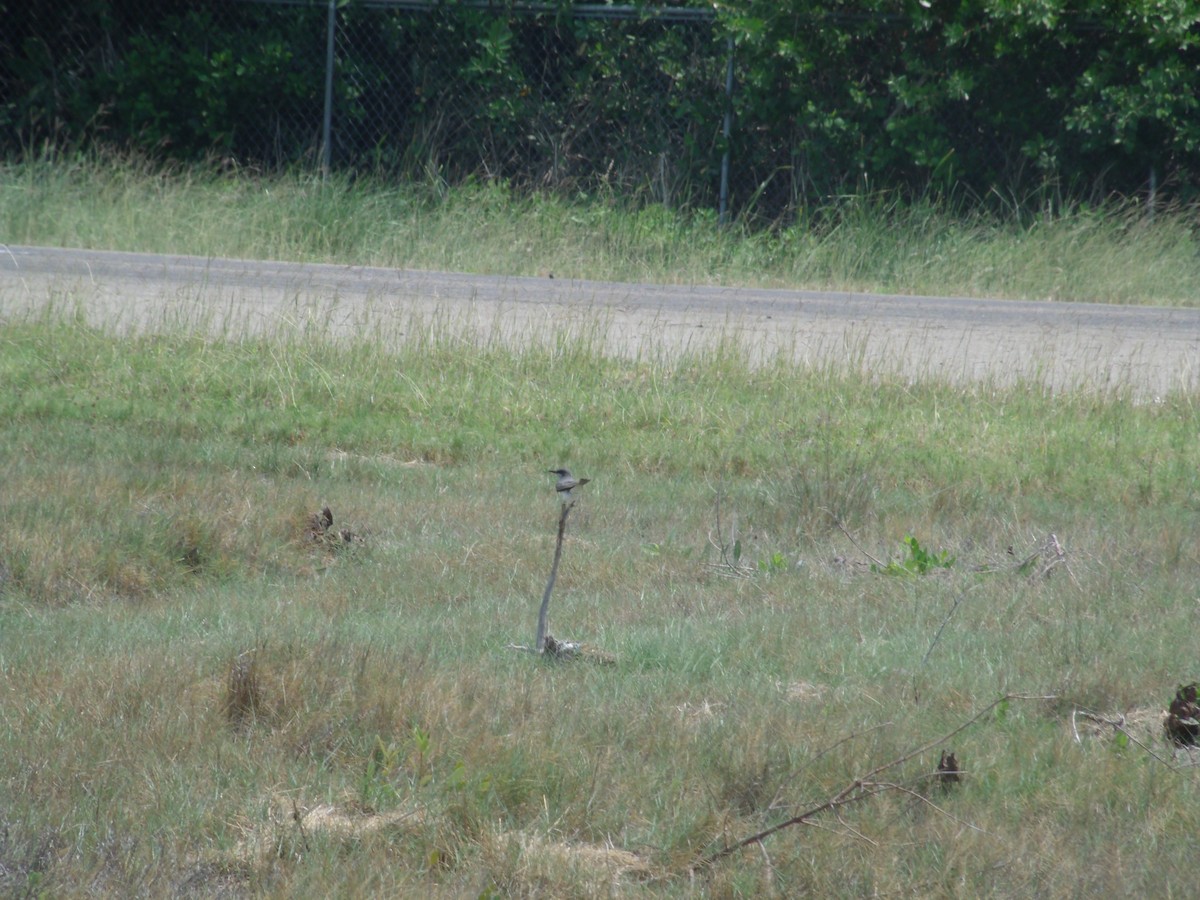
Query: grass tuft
{"points": [[243, 701]]}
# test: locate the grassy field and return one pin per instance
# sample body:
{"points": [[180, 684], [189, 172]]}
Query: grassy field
{"points": [[207, 694], [796, 586], [1110, 255]]}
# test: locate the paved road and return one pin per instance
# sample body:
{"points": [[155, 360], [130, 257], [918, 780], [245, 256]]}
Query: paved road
{"points": [[1146, 350]]}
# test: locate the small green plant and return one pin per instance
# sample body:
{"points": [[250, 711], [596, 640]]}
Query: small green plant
{"points": [[773, 564], [376, 786], [770, 565], [422, 744], [918, 561], [1001, 711]]}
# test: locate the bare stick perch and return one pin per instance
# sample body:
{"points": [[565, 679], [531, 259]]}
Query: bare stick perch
{"points": [[565, 484], [540, 646]]}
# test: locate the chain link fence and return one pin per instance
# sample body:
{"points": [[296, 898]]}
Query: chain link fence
{"points": [[606, 99], [637, 103], [600, 99]]}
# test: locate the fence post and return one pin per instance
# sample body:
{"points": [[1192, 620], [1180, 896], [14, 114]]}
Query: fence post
{"points": [[1152, 194], [327, 124], [723, 209]]}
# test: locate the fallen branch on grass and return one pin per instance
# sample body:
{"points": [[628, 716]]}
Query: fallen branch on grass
{"points": [[864, 786], [1119, 726], [1058, 557], [1050, 550]]}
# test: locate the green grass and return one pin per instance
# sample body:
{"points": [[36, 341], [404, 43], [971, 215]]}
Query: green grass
{"points": [[154, 531], [199, 697], [1110, 254]]}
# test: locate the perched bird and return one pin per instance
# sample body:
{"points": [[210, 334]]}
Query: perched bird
{"points": [[566, 483]]}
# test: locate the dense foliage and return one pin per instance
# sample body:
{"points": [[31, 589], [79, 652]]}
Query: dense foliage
{"points": [[1081, 95], [1029, 99]]}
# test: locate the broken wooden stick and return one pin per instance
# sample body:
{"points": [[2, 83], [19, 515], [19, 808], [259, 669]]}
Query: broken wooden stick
{"points": [[540, 645], [862, 787]]}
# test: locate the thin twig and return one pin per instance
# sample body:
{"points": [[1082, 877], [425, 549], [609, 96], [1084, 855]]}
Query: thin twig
{"points": [[825, 752], [842, 529], [919, 796], [299, 820], [770, 878], [1142, 744], [1117, 725], [729, 567], [1061, 556], [852, 830], [942, 627]]}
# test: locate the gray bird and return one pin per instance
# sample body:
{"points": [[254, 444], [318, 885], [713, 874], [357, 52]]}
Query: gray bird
{"points": [[566, 483]]}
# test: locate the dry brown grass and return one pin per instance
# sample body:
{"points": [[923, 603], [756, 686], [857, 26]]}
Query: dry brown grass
{"points": [[243, 701]]}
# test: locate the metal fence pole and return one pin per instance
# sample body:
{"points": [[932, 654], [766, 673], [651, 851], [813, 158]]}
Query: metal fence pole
{"points": [[327, 124], [723, 209], [1152, 196]]}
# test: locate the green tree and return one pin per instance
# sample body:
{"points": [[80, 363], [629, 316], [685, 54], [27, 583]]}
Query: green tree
{"points": [[1017, 95]]}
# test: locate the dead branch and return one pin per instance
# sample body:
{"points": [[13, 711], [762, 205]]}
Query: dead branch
{"points": [[862, 787], [1050, 550], [959, 599], [1118, 727], [917, 795], [775, 801], [546, 644], [540, 645], [1056, 557]]}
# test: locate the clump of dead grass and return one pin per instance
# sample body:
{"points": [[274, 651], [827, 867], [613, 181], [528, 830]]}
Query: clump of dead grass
{"points": [[290, 829], [243, 702], [524, 863]]}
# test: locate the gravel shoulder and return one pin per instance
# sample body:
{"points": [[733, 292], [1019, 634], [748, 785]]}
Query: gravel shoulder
{"points": [[1146, 351]]}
